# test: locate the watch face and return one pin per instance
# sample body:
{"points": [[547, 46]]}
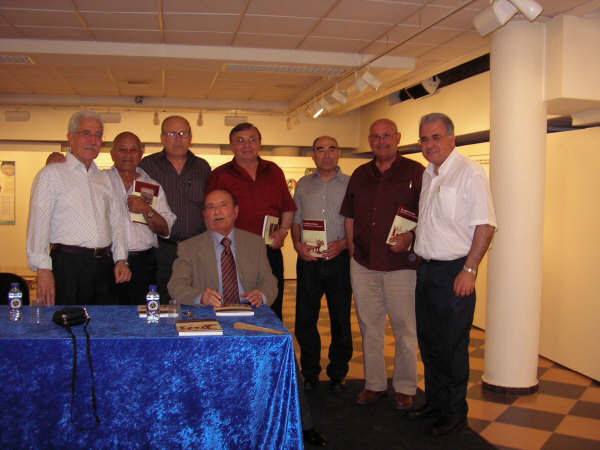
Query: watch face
{"points": [[152, 305]]}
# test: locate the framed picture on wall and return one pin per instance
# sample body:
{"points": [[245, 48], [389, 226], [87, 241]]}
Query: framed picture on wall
{"points": [[7, 192]]}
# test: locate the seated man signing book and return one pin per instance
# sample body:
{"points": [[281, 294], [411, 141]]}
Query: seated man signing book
{"points": [[225, 265]]}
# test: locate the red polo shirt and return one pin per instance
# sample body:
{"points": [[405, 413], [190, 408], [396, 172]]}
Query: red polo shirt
{"points": [[267, 195]]}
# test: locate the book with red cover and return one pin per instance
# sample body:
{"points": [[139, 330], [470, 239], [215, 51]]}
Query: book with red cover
{"points": [[405, 220], [149, 192], [314, 234], [204, 327]]}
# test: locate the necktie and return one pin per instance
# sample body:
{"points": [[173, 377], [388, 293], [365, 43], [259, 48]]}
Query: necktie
{"points": [[228, 274]]}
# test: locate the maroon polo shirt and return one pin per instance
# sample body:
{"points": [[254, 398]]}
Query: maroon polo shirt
{"points": [[267, 195], [372, 199]]}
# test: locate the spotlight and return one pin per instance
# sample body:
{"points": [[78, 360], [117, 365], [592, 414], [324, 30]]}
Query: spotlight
{"points": [[155, 120], [371, 80], [492, 18], [424, 88], [325, 104], [529, 8], [339, 97], [318, 109], [199, 121], [360, 84]]}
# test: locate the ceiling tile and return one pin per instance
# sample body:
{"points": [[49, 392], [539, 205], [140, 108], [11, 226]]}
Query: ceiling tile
{"points": [[198, 38], [469, 39], [409, 49], [127, 35], [276, 24], [142, 21], [41, 18], [9, 33], [401, 32], [349, 29], [445, 53], [435, 36], [364, 10], [309, 8], [213, 6], [200, 22], [333, 44], [64, 5], [116, 5], [266, 40]]}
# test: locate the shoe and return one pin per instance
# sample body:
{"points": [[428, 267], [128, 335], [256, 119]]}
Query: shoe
{"points": [[422, 412], [402, 402], [313, 437], [310, 384], [367, 396], [448, 424], [336, 386]]}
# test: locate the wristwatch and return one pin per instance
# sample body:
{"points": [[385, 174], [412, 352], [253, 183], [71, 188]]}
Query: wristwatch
{"points": [[149, 214], [470, 270]]}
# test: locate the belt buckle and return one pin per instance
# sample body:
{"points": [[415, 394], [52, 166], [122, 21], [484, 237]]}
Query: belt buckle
{"points": [[98, 253]]}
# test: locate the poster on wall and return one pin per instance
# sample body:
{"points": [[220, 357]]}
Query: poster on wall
{"points": [[7, 192]]}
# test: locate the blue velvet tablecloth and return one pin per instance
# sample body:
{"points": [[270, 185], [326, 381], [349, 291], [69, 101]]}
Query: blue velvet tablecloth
{"points": [[153, 388]]}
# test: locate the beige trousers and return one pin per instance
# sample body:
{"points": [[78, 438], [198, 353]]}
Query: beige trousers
{"points": [[377, 294]]}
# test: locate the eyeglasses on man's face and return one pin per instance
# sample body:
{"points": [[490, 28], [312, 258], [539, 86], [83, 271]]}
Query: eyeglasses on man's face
{"points": [[174, 134], [87, 134], [435, 138], [381, 137]]}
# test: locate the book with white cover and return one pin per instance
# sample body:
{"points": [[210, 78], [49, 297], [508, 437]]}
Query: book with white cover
{"points": [[149, 192], [270, 224], [163, 311], [234, 310], [405, 220], [314, 234]]}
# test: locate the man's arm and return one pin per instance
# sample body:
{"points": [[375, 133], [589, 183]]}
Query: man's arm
{"points": [[155, 221], [464, 283], [285, 223], [349, 229]]}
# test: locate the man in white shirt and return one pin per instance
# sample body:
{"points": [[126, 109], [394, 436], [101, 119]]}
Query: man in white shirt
{"points": [[74, 212], [126, 153], [456, 225]]}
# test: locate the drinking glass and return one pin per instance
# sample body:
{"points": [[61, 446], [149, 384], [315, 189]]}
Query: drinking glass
{"points": [[37, 311]]}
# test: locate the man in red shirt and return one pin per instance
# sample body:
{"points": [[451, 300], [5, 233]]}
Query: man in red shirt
{"points": [[260, 189]]}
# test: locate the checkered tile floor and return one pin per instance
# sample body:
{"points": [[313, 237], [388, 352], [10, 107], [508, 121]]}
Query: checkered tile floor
{"points": [[563, 414]]}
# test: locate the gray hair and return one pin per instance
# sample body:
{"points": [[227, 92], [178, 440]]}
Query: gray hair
{"points": [[434, 117], [87, 114]]}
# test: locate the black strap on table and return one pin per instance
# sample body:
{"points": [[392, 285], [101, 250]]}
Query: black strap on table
{"points": [[74, 372]]}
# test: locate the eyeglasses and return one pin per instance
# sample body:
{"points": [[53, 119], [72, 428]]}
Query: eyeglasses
{"points": [[435, 138], [383, 137], [87, 134], [181, 134]]}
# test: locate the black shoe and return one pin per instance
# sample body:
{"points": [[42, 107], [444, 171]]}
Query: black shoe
{"points": [[310, 384], [448, 424], [313, 437], [422, 412], [336, 386]]}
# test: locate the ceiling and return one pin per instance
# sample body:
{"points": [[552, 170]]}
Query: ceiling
{"points": [[273, 56]]}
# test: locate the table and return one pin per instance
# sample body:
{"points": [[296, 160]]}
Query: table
{"points": [[153, 388]]}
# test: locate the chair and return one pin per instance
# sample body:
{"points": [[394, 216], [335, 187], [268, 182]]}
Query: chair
{"points": [[5, 280]]}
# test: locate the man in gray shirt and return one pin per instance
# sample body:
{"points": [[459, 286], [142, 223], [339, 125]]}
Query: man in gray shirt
{"points": [[318, 197]]}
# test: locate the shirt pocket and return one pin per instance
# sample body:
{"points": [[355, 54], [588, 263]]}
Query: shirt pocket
{"points": [[445, 203]]}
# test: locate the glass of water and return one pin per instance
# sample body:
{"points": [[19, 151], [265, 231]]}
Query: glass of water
{"points": [[37, 311], [174, 310]]}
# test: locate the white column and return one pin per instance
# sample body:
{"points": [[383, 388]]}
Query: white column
{"points": [[517, 166]]}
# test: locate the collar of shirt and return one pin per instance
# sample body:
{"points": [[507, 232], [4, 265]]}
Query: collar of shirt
{"points": [[218, 237], [338, 171], [262, 165], [446, 165], [374, 167], [73, 163]]}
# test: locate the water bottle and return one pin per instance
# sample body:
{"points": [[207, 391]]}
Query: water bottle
{"points": [[152, 305], [15, 303]]}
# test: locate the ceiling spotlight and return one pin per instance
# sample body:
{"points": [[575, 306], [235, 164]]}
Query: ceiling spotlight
{"points": [[325, 104], [360, 84], [339, 97], [155, 120], [492, 18], [200, 121], [371, 80], [318, 110], [529, 8], [289, 123]]}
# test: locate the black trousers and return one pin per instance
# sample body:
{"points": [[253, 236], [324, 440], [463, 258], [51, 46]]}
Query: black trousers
{"points": [[275, 258], [331, 278], [443, 325], [143, 274], [83, 279], [165, 254]]}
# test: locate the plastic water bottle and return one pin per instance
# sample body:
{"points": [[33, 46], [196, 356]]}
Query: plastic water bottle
{"points": [[152, 305], [15, 303]]}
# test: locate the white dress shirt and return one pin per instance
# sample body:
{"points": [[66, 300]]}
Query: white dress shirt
{"points": [[73, 206], [139, 236], [451, 205]]}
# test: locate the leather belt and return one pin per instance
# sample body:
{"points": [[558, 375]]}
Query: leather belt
{"points": [[76, 250], [137, 253]]}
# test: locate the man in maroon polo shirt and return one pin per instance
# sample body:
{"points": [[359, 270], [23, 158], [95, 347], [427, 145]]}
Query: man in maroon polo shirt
{"points": [[383, 275], [260, 189]]}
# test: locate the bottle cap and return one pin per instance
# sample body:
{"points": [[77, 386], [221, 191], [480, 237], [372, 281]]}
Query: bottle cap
{"points": [[152, 287], [14, 285]]}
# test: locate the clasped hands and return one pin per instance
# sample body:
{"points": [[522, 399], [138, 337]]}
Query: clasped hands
{"points": [[210, 297]]}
